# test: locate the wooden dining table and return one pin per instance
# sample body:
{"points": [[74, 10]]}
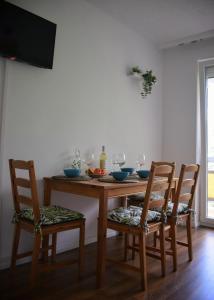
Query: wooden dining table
{"points": [[103, 191]]}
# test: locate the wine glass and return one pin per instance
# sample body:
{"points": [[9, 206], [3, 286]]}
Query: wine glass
{"points": [[90, 160], [141, 160], [119, 159], [76, 159]]}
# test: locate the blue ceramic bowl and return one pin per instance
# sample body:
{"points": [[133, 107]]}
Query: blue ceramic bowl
{"points": [[120, 176], [143, 173], [72, 172], [129, 170]]}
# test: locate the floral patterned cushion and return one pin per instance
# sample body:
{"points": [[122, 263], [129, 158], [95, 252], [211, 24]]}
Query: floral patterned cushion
{"points": [[138, 199], [132, 215], [182, 208], [51, 215]]}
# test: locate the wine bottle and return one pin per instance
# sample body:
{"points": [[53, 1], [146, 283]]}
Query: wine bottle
{"points": [[103, 158]]}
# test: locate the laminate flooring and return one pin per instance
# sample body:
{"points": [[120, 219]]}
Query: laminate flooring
{"points": [[193, 280]]}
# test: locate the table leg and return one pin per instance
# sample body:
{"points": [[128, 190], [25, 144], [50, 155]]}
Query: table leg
{"points": [[123, 201], [47, 202], [101, 239], [47, 193]]}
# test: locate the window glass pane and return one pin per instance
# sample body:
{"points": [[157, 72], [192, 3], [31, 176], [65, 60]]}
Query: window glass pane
{"points": [[210, 144]]}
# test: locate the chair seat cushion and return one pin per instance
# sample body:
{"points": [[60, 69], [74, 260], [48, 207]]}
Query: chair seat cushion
{"points": [[132, 215], [138, 199], [182, 208], [50, 215]]}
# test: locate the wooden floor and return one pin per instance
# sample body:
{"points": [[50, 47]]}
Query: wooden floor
{"points": [[193, 281]]}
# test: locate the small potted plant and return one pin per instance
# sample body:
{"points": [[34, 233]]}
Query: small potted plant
{"points": [[148, 80]]}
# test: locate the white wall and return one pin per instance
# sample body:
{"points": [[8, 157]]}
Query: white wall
{"points": [[180, 100], [180, 135], [87, 100]]}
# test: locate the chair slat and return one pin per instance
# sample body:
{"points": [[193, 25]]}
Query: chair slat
{"points": [[160, 186], [162, 174], [185, 197], [191, 168], [22, 182], [188, 183], [162, 169], [19, 164], [25, 200]]}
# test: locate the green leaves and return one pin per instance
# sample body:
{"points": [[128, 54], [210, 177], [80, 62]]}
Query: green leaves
{"points": [[148, 80], [136, 69]]}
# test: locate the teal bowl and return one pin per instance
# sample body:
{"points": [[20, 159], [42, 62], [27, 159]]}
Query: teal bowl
{"points": [[143, 173], [129, 170], [120, 176], [72, 172]]}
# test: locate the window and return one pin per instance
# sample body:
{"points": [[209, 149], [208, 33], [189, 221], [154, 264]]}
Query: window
{"points": [[206, 128]]}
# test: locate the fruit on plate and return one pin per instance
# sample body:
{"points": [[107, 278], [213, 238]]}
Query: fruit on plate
{"points": [[100, 171], [96, 172]]}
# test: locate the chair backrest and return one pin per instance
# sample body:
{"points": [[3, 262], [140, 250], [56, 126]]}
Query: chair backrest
{"points": [[18, 183], [160, 181], [186, 186]]}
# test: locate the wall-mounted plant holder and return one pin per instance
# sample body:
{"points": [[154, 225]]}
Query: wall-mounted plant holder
{"points": [[147, 80]]}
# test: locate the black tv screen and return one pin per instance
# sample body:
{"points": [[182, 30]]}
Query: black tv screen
{"points": [[26, 37]]}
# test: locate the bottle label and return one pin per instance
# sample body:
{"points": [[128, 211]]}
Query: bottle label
{"points": [[102, 164]]}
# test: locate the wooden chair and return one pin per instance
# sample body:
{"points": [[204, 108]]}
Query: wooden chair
{"points": [[138, 200], [140, 222], [41, 222], [180, 209]]}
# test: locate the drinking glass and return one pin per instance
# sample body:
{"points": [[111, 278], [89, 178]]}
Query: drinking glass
{"points": [[77, 153], [141, 160], [90, 160], [73, 160], [118, 159]]}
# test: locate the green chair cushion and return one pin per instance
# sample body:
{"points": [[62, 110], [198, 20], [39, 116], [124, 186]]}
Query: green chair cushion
{"points": [[138, 199], [132, 215], [50, 215], [182, 208]]}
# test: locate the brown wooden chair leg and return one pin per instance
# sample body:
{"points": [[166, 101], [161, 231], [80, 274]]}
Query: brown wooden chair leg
{"points": [[155, 239], [170, 233], [81, 248], [45, 244], [53, 252], [133, 245], [35, 258], [16, 238], [189, 237], [126, 244], [142, 254], [162, 248], [169, 237], [174, 246]]}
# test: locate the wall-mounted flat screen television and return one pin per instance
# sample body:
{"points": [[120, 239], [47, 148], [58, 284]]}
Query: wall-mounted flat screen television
{"points": [[25, 36]]}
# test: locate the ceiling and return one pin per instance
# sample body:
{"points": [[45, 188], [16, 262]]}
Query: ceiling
{"points": [[165, 22]]}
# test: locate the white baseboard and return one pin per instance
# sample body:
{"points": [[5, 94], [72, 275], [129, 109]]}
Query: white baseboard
{"points": [[207, 224], [5, 261]]}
